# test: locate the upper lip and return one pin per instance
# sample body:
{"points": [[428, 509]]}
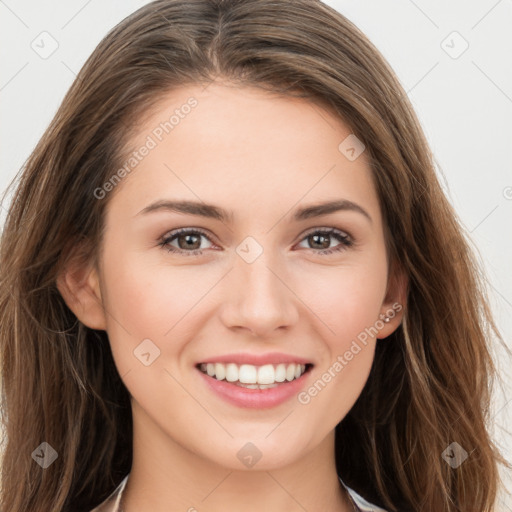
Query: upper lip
{"points": [[257, 359]]}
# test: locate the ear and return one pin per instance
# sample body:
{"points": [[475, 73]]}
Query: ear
{"points": [[394, 302], [79, 285]]}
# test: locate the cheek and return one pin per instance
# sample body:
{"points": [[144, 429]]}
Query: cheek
{"points": [[145, 303], [348, 306], [151, 310], [346, 299], [151, 299]]}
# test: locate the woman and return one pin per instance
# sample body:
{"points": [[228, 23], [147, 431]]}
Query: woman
{"points": [[172, 336]]}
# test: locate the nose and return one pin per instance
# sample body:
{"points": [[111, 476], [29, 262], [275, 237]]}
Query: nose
{"points": [[259, 298]]}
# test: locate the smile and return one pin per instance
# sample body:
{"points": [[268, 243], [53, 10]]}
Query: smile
{"points": [[254, 377], [255, 381]]}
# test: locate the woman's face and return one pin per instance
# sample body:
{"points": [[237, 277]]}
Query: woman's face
{"points": [[268, 283]]}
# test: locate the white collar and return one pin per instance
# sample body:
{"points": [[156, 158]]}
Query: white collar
{"points": [[111, 504]]}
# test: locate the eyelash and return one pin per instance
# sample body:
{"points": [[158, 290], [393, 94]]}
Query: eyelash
{"points": [[345, 240]]}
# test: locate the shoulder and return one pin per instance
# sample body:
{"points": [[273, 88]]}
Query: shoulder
{"points": [[363, 504], [106, 506], [111, 504]]}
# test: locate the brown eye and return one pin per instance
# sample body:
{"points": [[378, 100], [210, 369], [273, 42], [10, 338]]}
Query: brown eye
{"points": [[322, 239], [188, 242]]}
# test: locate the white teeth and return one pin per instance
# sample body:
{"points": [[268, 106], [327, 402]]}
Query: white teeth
{"points": [[280, 375], [253, 377], [248, 374], [290, 372], [266, 374], [231, 372], [256, 386], [220, 371]]}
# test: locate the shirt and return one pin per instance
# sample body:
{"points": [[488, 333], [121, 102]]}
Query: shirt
{"points": [[111, 504]]}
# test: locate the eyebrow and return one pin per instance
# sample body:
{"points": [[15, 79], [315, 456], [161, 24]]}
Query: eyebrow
{"points": [[215, 212]]}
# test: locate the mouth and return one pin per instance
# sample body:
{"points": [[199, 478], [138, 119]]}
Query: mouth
{"points": [[258, 381], [255, 377]]}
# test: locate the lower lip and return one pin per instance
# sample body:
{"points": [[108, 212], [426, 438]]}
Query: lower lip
{"points": [[255, 398]]}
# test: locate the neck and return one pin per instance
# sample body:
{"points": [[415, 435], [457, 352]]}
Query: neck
{"points": [[166, 477]]}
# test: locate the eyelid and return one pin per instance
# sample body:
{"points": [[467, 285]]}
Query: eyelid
{"points": [[315, 229], [330, 229], [174, 233], [345, 239], [177, 231]]}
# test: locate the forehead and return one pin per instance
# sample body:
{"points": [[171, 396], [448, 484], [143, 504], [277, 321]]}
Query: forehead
{"points": [[245, 147]]}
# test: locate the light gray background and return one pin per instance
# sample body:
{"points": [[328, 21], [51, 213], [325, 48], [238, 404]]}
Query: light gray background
{"points": [[464, 103]]}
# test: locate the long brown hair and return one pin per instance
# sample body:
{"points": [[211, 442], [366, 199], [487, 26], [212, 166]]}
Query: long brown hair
{"points": [[431, 381]]}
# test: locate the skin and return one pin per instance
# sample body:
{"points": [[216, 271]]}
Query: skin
{"points": [[260, 156]]}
